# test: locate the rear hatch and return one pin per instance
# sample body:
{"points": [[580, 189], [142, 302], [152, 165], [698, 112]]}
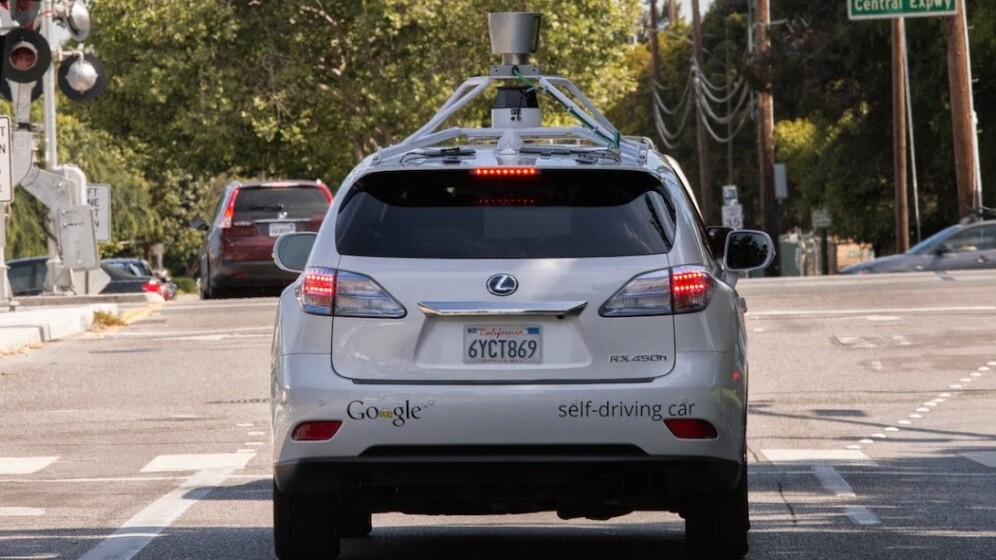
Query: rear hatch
{"points": [[502, 278], [261, 213]]}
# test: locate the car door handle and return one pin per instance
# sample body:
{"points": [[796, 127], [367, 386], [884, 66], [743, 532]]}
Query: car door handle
{"points": [[489, 308]]}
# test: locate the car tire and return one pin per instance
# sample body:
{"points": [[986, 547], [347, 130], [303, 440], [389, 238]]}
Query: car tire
{"points": [[305, 527], [356, 525], [716, 527]]}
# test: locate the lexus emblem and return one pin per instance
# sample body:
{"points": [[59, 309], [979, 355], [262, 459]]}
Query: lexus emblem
{"points": [[502, 284]]}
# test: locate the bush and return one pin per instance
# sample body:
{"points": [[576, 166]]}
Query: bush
{"points": [[185, 285]]}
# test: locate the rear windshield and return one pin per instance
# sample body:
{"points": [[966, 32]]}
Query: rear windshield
{"points": [[454, 215], [268, 202]]}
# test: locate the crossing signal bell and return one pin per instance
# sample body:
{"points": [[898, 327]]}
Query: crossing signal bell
{"points": [[82, 77]]}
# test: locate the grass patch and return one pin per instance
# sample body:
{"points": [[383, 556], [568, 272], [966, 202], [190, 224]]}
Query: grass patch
{"points": [[103, 319]]}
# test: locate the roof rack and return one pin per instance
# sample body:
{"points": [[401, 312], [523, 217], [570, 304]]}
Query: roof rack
{"points": [[514, 36]]}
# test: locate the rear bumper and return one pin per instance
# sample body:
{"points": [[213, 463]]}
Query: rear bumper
{"points": [[256, 273], [590, 486], [472, 449]]}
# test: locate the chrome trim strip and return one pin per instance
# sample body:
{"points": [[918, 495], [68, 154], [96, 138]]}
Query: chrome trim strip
{"points": [[488, 308]]}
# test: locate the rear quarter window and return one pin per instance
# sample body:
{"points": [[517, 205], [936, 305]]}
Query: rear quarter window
{"points": [[454, 215]]}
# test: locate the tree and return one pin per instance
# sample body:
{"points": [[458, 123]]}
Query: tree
{"points": [[207, 91]]}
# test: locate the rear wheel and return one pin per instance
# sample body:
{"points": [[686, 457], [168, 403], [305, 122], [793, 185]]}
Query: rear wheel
{"points": [[716, 527], [356, 525], [305, 527]]}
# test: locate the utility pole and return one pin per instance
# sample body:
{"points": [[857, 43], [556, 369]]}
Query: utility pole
{"points": [[963, 113], [654, 55], [766, 136], [672, 11], [709, 213], [899, 133]]}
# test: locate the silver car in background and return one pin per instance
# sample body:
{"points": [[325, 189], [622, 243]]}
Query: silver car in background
{"points": [[532, 322]]}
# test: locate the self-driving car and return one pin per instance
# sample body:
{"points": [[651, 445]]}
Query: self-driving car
{"points": [[512, 319]]}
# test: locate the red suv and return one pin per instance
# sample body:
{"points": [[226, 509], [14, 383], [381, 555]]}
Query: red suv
{"points": [[236, 256]]}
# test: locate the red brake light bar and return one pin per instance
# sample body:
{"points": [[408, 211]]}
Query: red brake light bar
{"points": [[504, 171]]}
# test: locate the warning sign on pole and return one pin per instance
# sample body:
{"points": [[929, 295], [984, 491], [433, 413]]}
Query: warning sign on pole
{"points": [[99, 196]]}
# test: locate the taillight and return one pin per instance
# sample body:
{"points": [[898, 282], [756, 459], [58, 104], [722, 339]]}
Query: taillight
{"points": [[226, 218], [326, 291], [691, 288], [318, 290], [151, 286], [682, 289]]}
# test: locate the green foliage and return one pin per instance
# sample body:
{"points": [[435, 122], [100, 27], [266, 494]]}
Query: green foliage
{"points": [[202, 93], [205, 92], [831, 84], [185, 284]]}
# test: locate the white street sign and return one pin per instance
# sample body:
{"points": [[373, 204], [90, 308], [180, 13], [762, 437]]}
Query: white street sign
{"points": [[820, 218], [99, 197], [733, 215], [6, 169]]}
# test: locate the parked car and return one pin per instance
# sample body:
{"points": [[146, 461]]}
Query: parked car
{"points": [[236, 256], [520, 323], [964, 246], [27, 278], [141, 267]]}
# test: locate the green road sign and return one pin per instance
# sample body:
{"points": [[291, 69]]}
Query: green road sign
{"points": [[884, 9]]}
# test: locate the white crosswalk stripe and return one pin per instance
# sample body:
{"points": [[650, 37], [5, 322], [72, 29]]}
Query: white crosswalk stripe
{"points": [[24, 465]]}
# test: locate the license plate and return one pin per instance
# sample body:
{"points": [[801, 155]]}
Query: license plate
{"points": [[495, 344], [280, 228]]}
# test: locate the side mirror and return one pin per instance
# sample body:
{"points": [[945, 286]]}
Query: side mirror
{"points": [[943, 249], [748, 250], [291, 250], [199, 224], [716, 237]]}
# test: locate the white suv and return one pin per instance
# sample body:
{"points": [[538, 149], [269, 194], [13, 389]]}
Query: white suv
{"points": [[535, 319]]}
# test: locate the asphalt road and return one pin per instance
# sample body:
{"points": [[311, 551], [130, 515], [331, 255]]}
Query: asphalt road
{"points": [[872, 435]]}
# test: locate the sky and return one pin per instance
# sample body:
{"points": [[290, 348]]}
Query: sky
{"points": [[686, 8]]}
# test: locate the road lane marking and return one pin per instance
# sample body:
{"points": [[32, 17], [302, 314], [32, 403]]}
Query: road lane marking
{"points": [[24, 465], [197, 462], [836, 485], [861, 515], [833, 482], [115, 480], [987, 458], [816, 456], [21, 512], [147, 524], [870, 312]]}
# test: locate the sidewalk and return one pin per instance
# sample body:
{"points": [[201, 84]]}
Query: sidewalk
{"points": [[41, 319]]}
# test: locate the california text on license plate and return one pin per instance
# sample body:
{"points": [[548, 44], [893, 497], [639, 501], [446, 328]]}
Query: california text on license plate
{"points": [[280, 228], [509, 344]]}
